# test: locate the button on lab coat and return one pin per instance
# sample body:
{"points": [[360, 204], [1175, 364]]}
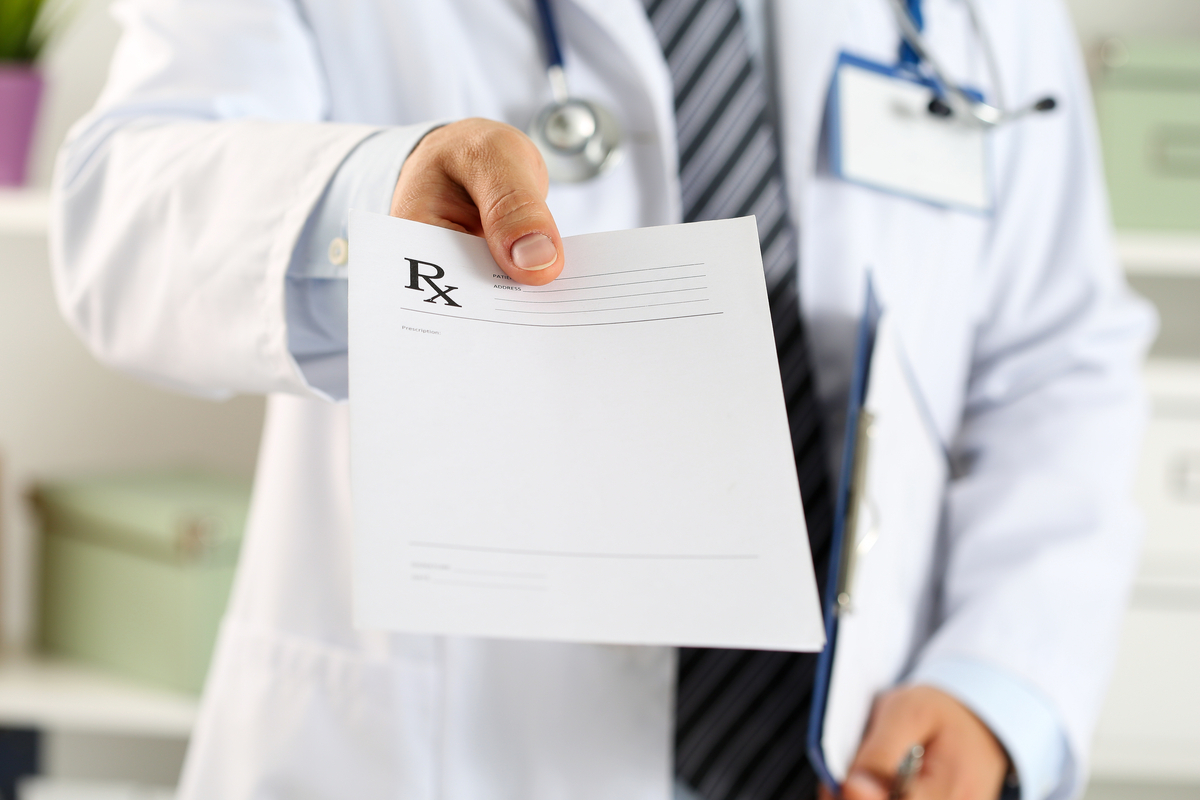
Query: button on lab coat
{"points": [[180, 201]]}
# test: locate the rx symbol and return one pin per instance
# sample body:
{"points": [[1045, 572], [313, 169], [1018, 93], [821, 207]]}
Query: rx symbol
{"points": [[415, 276]]}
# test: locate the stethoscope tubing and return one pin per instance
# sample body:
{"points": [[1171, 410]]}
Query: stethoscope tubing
{"points": [[914, 50], [579, 139], [550, 37], [598, 147]]}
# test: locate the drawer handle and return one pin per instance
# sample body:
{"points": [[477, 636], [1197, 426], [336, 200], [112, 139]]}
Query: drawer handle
{"points": [[1175, 151], [1183, 477]]}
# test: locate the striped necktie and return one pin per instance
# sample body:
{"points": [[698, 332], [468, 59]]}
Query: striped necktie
{"points": [[741, 715]]}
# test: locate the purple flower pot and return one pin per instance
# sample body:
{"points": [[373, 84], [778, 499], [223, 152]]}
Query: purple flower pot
{"points": [[20, 92]]}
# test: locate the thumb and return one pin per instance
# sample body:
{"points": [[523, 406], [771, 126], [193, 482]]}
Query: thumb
{"points": [[506, 179]]}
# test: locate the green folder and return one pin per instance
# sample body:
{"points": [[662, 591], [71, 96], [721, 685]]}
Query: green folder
{"points": [[1148, 105], [136, 570]]}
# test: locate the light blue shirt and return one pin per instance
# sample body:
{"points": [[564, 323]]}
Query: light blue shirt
{"points": [[316, 279], [1022, 719]]}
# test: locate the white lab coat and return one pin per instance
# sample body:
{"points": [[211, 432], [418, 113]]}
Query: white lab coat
{"points": [[180, 200]]}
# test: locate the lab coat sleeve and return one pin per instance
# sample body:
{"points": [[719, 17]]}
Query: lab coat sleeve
{"points": [[316, 279], [1042, 534], [180, 199]]}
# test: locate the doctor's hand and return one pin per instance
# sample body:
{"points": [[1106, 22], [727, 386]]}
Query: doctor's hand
{"points": [[963, 760], [488, 179]]}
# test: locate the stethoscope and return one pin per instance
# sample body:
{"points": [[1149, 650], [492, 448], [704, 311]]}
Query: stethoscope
{"points": [[579, 139], [952, 99]]}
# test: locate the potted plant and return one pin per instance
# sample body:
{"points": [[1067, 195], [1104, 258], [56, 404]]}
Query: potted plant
{"points": [[24, 28]]}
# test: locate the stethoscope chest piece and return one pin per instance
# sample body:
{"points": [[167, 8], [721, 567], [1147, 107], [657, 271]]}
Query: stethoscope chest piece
{"points": [[578, 139]]}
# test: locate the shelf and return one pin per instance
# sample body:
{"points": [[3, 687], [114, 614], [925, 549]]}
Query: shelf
{"points": [[1159, 253], [1171, 377], [24, 212], [42, 788], [57, 695]]}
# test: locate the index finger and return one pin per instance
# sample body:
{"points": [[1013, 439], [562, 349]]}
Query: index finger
{"points": [[895, 726]]}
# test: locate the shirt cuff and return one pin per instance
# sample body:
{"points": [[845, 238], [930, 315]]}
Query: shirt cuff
{"points": [[1019, 717], [316, 287]]}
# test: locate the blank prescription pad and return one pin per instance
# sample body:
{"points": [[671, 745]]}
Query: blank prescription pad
{"points": [[602, 459]]}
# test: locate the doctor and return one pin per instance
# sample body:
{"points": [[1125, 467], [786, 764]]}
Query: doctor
{"points": [[199, 243]]}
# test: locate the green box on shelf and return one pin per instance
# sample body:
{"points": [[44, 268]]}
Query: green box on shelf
{"points": [[1148, 105], [136, 570]]}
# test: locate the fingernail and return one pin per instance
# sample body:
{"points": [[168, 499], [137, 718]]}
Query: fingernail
{"points": [[865, 785], [534, 251]]}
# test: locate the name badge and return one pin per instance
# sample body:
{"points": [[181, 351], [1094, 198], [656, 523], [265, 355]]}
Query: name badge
{"points": [[882, 135]]}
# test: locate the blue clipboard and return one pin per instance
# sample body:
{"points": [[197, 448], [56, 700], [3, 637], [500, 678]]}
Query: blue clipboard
{"points": [[863, 350], [841, 538]]}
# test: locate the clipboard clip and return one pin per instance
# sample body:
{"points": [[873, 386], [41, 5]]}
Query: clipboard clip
{"points": [[854, 546]]}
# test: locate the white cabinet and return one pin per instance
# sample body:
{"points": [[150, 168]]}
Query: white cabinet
{"points": [[1148, 729], [1168, 481]]}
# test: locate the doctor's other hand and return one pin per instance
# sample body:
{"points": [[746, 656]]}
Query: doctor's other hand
{"points": [[488, 179], [963, 760]]}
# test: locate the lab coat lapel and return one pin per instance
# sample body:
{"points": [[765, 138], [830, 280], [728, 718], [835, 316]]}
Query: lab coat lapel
{"points": [[626, 24], [808, 37]]}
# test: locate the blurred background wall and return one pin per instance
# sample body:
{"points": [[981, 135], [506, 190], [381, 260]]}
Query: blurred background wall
{"points": [[61, 414], [1096, 20]]}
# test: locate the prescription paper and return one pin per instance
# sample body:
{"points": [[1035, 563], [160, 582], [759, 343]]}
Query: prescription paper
{"points": [[602, 459]]}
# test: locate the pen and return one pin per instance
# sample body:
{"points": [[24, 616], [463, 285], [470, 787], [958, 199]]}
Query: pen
{"points": [[910, 767]]}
